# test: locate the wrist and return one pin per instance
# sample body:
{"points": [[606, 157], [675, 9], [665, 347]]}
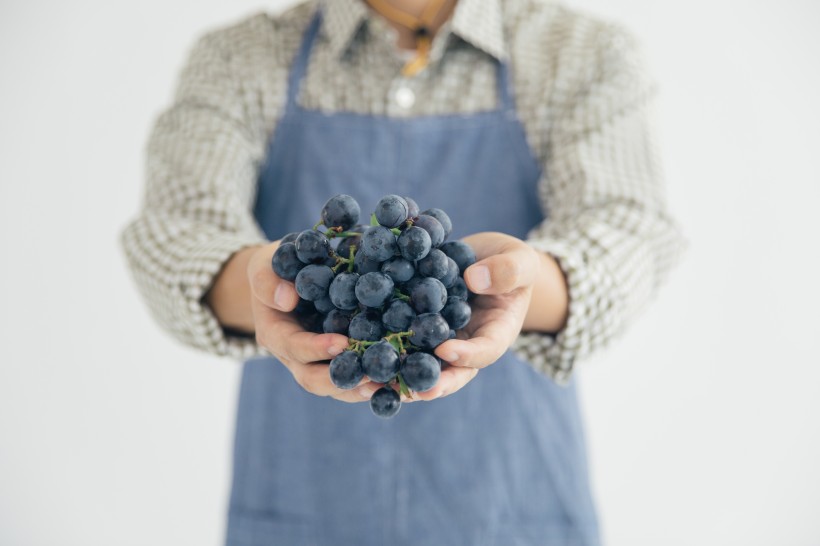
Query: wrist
{"points": [[230, 295]]}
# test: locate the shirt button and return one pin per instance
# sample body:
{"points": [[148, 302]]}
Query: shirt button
{"points": [[405, 98]]}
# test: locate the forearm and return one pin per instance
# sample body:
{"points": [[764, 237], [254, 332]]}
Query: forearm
{"points": [[230, 296], [550, 301]]}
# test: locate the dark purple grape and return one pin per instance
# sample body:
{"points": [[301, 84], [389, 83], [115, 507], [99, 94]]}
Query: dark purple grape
{"points": [[379, 243], [452, 334], [336, 322], [312, 322], [398, 269], [429, 330], [340, 211], [363, 264], [343, 249], [433, 265], [428, 295], [442, 218], [289, 238], [385, 403], [374, 289], [432, 227], [342, 291], [414, 243], [324, 305], [380, 362], [366, 326], [312, 247], [452, 273], [421, 371], [460, 252], [313, 281], [457, 313], [412, 208], [346, 370], [458, 290], [304, 308], [398, 316], [286, 263], [392, 211]]}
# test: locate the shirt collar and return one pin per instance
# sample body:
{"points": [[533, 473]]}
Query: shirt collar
{"points": [[478, 22]]}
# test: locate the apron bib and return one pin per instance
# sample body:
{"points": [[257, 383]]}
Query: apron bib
{"points": [[501, 462]]}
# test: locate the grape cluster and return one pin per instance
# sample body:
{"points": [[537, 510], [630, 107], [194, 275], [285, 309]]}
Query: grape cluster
{"points": [[394, 288]]}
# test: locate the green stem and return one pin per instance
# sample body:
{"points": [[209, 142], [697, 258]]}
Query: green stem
{"points": [[398, 294], [317, 224]]}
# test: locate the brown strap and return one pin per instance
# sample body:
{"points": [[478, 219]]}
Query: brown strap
{"points": [[420, 27]]}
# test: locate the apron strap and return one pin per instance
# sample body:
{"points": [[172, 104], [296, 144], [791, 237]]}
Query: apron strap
{"points": [[297, 71]]}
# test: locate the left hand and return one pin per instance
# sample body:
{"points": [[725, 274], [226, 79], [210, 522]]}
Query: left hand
{"points": [[503, 278]]}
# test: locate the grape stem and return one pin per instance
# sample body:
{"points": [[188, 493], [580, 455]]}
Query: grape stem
{"points": [[398, 294], [345, 261], [396, 339]]}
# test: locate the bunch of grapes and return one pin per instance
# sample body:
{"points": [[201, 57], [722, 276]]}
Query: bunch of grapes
{"points": [[394, 288]]}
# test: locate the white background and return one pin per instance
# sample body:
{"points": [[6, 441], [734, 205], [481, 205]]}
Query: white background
{"points": [[703, 420]]}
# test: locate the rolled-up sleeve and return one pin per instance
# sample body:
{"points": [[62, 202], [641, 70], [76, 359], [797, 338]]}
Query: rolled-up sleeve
{"points": [[202, 160], [608, 225]]}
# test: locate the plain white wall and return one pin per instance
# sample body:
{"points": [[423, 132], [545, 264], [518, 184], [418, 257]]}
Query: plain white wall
{"points": [[702, 420]]}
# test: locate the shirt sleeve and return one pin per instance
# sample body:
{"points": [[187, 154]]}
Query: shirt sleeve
{"points": [[608, 225], [202, 160]]}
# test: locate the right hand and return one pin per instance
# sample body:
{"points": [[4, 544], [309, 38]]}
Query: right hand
{"points": [[304, 353]]}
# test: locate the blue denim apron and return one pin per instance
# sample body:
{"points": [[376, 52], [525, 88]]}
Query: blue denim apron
{"points": [[501, 462]]}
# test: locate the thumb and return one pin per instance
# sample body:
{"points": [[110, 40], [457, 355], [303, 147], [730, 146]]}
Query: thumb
{"points": [[502, 273]]}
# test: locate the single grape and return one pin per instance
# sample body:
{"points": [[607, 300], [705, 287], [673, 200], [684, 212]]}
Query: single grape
{"points": [[313, 281], [414, 243], [366, 326], [343, 249], [412, 208], [459, 289], [428, 295], [385, 403], [380, 362], [312, 247], [443, 219], [343, 291], [336, 322], [373, 289], [289, 238], [461, 253], [362, 264], [433, 265], [420, 371], [457, 313], [452, 273], [432, 227], [399, 269], [340, 211], [379, 243], [346, 370], [325, 304], [398, 316], [429, 331], [392, 211], [285, 262]]}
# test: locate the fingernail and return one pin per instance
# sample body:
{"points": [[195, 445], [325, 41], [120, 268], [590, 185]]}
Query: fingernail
{"points": [[480, 278], [366, 392], [334, 350], [281, 297]]}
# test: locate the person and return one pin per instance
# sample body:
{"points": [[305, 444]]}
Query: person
{"points": [[530, 124]]}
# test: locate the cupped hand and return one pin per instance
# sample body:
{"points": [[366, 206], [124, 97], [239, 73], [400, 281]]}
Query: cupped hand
{"points": [[503, 278], [304, 353]]}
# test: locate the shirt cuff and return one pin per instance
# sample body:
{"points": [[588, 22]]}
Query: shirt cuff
{"points": [[556, 354], [203, 262]]}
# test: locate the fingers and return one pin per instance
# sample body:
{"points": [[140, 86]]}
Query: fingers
{"points": [[266, 286], [486, 345], [503, 273], [451, 380], [315, 379], [284, 337]]}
